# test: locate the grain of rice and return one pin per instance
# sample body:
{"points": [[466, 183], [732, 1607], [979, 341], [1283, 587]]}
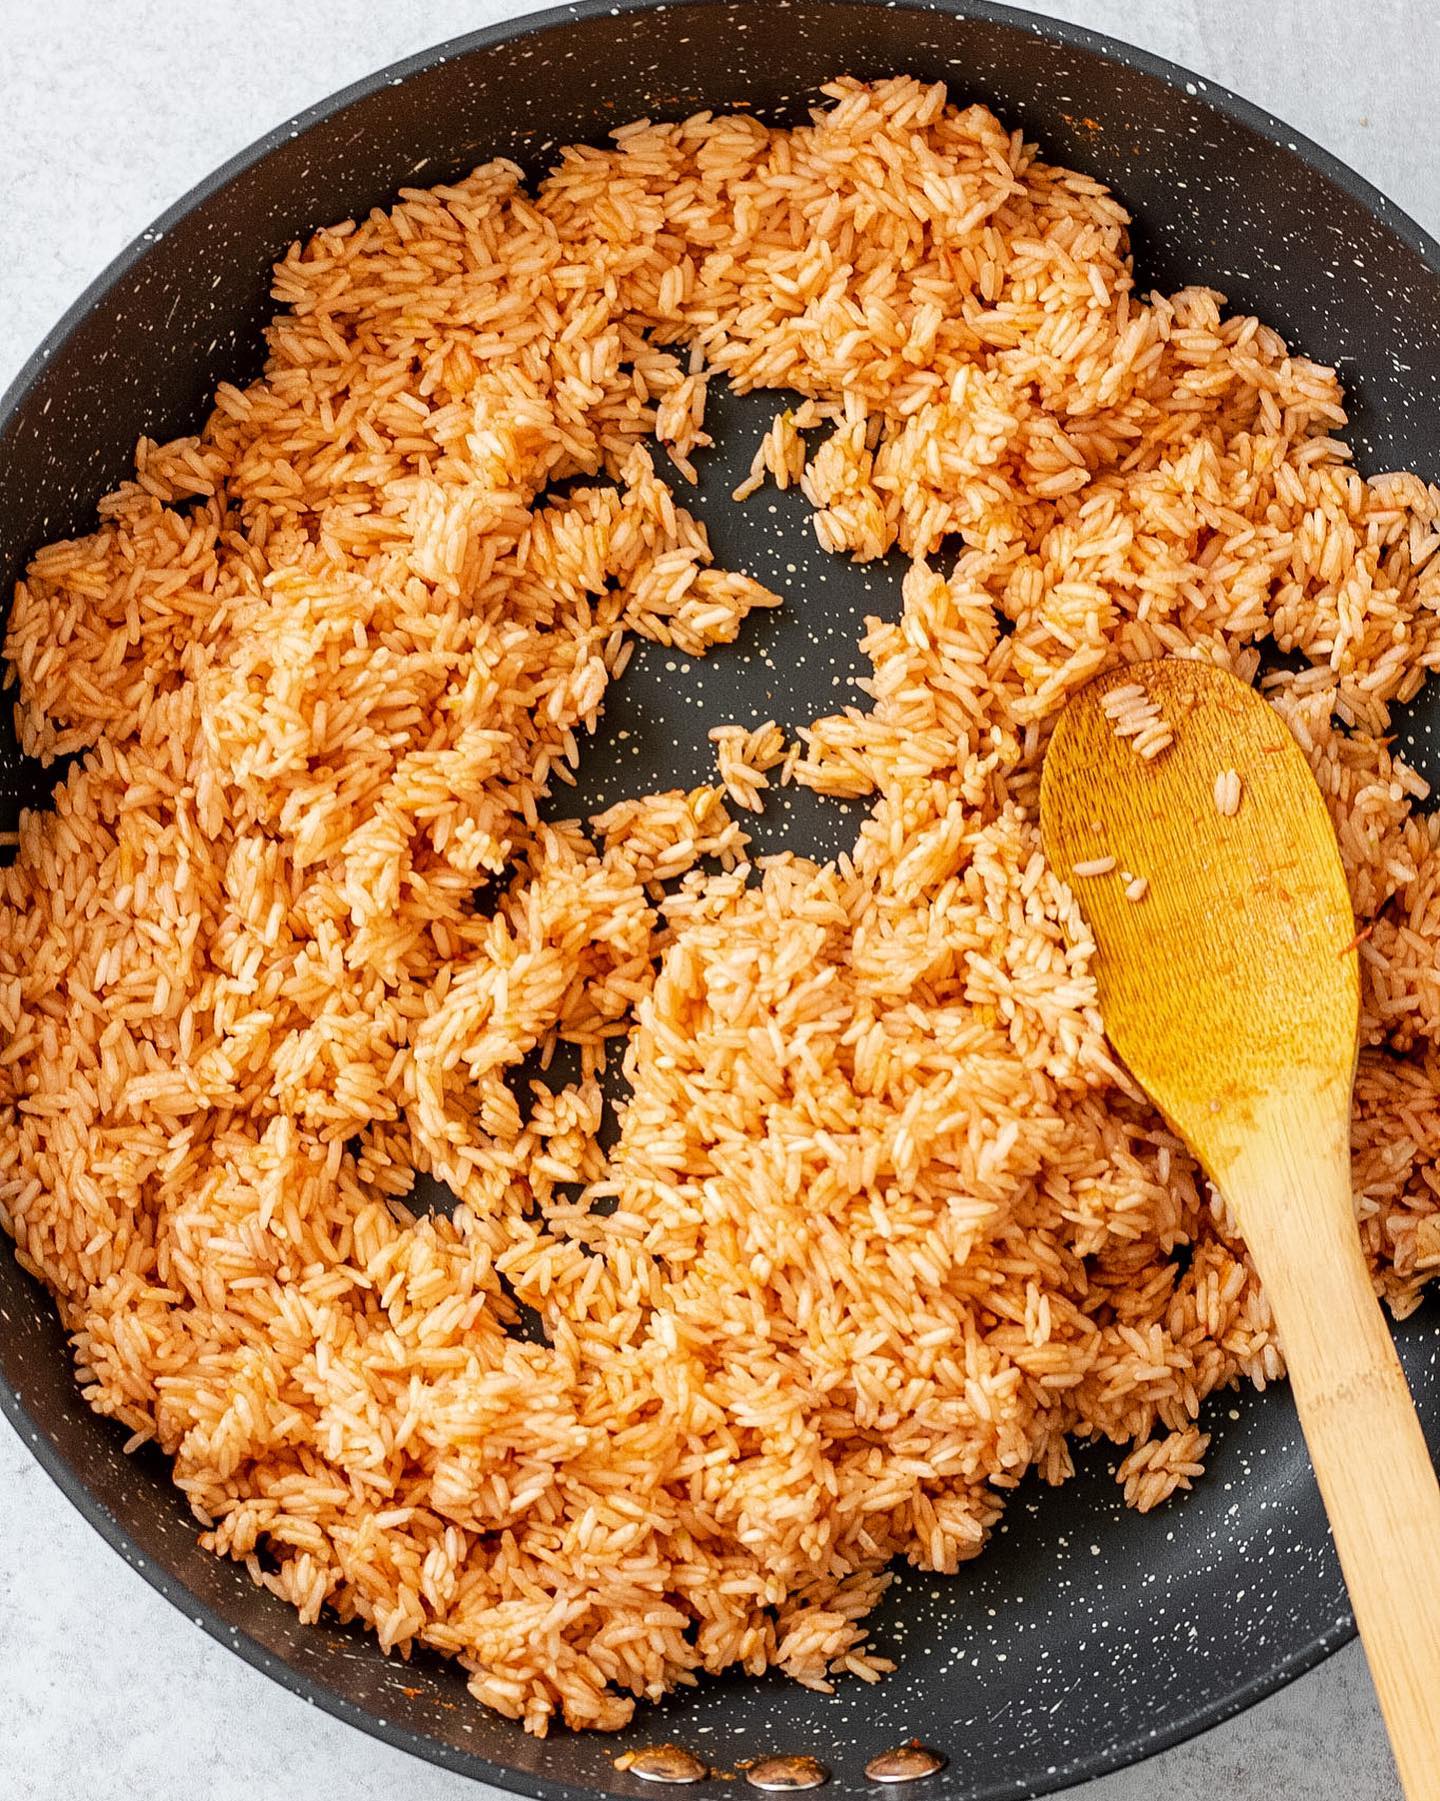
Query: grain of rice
{"points": [[1094, 866], [1137, 888], [1228, 793], [296, 926]]}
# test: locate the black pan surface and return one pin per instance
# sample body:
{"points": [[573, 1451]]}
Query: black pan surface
{"points": [[1087, 1636]]}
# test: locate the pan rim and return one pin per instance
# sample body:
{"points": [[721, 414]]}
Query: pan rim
{"points": [[1125, 1751]]}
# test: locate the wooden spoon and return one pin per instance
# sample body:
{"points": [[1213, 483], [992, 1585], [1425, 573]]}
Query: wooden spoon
{"points": [[1230, 987]]}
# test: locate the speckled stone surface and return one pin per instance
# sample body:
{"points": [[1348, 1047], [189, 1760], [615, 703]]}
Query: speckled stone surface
{"points": [[109, 1690]]}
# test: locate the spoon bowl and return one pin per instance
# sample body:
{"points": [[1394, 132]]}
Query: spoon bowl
{"points": [[1227, 971]]}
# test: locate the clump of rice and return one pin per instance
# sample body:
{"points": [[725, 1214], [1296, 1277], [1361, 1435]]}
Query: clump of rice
{"points": [[743, 758], [883, 1226], [1229, 791], [782, 449], [1135, 714], [1155, 1470]]}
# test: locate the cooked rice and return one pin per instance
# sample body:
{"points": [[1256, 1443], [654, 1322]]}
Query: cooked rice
{"points": [[885, 1224], [781, 454], [1137, 887], [743, 758], [1229, 791], [1134, 713], [1155, 1470], [1095, 866]]}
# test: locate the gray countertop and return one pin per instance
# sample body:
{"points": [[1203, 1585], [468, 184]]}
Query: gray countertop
{"points": [[112, 111]]}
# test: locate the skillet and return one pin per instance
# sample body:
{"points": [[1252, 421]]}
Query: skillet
{"points": [[1087, 1636]]}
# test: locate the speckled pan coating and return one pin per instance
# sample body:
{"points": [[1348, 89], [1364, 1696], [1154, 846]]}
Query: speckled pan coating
{"points": [[1087, 1636]]}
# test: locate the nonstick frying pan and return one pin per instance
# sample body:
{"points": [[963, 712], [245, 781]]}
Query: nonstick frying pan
{"points": [[1087, 1636]]}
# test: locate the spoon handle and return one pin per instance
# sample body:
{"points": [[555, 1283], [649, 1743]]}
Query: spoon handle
{"points": [[1289, 1187]]}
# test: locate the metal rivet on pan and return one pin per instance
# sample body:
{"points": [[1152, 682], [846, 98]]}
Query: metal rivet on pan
{"points": [[906, 1763], [664, 1763], [786, 1773]]}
